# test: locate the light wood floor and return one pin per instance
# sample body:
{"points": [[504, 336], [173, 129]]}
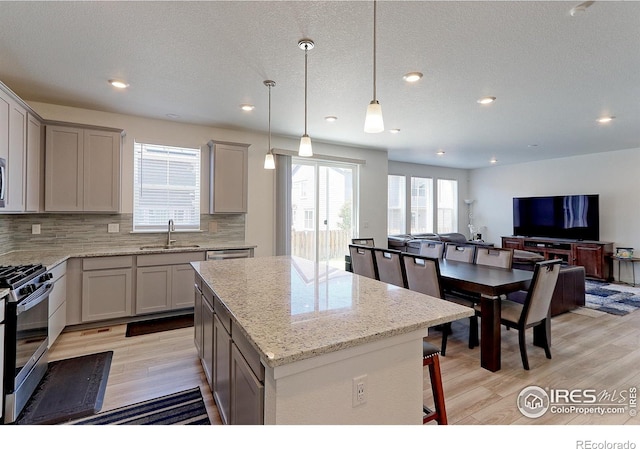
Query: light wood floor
{"points": [[590, 350]]}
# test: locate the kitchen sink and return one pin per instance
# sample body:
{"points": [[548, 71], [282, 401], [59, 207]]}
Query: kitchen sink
{"points": [[169, 246]]}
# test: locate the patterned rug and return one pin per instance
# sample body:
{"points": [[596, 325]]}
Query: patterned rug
{"points": [[616, 299]]}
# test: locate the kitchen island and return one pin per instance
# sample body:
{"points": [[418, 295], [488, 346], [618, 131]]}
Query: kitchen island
{"points": [[318, 333]]}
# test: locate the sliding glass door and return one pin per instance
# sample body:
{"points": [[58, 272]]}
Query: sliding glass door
{"points": [[323, 213]]}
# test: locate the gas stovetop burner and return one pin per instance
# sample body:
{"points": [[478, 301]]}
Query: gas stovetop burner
{"points": [[14, 276]]}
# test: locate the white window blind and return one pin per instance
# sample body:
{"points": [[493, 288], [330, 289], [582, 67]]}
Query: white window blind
{"points": [[166, 186]]}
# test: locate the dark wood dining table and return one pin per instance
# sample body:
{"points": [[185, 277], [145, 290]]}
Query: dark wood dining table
{"points": [[490, 283]]}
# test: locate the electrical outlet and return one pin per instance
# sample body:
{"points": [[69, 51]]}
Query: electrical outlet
{"points": [[359, 390], [113, 227], [35, 229]]}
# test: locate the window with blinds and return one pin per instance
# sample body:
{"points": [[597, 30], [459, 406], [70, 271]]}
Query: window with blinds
{"points": [[166, 186]]}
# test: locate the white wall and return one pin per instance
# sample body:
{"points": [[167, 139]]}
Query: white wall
{"points": [[260, 219], [612, 175]]}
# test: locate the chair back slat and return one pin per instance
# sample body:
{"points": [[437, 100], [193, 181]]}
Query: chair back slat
{"points": [[460, 252], [495, 257], [363, 242], [363, 261], [432, 249], [423, 274], [543, 283], [389, 266]]}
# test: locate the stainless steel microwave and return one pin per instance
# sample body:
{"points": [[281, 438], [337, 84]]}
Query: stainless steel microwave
{"points": [[3, 181]]}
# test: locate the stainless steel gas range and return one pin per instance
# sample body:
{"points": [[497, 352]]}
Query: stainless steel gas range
{"points": [[26, 335]]}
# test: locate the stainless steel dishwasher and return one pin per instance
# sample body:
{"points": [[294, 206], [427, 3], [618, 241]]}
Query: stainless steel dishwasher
{"points": [[222, 254]]}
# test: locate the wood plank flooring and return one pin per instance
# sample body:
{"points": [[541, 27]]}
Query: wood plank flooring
{"points": [[590, 350]]}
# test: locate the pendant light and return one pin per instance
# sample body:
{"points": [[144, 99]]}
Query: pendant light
{"points": [[305, 142], [373, 122], [269, 163]]}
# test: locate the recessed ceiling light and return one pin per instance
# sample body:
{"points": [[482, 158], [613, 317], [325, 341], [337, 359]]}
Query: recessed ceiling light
{"points": [[532, 145], [247, 107], [331, 118], [605, 119], [440, 153], [119, 84], [394, 130], [412, 77], [486, 100], [173, 116], [494, 160], [582, 7]]}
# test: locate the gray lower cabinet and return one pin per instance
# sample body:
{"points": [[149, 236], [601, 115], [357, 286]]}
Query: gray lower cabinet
{"points": [[221, 369], [58, 302], [232, 366], [197, 321], [107, 288], [247, 392], [165, 281]]}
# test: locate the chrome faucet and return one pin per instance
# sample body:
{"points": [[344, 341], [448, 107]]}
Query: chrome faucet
{"points": [[171, 227]]}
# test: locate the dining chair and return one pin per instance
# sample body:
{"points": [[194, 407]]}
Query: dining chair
{"points": [[460, 252], [535, 310], [362, 261], [363, 241], [433, 249], [390, 269], [494, 257]]}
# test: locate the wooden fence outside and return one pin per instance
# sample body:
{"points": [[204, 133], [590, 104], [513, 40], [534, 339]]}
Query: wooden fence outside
{"points": [[333, 244]]}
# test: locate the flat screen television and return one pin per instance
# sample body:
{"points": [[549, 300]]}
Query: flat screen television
{"points": [[575, 217]]}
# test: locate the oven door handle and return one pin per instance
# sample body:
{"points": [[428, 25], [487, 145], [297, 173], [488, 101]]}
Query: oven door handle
{"points": [[35, 298]]}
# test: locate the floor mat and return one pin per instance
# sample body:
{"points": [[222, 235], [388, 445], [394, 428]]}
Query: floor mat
{"points": [[159, 325], [70, 389], [183, 407]]}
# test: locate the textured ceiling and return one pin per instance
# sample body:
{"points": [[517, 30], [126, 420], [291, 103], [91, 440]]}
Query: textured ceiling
{"points": [[553, 74]]}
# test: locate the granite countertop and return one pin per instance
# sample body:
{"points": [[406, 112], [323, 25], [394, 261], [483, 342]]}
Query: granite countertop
{"points": [[52, 257], [292, 309]]}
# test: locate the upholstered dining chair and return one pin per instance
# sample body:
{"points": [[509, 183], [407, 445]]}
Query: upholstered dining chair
{"points": [[362, 261], [433, 249], [363, 242], [460, 252], [535, 310], [390, 269], [494, 257]]}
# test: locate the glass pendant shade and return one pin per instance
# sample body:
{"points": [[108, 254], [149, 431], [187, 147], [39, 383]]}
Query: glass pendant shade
{"points": [[269, 162], [373, 122], [305, 146]]}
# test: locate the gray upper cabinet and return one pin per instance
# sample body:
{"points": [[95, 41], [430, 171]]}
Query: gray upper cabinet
{"points": [[13, 138], [229, 178], [34, 185], [82, 169]]}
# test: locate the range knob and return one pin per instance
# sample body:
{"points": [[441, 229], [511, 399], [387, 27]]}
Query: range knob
{"points": [[26, 289], [45, 277]]}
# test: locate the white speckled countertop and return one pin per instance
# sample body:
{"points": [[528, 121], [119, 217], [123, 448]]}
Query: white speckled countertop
{"points": [[53, 257], [292, 309]]}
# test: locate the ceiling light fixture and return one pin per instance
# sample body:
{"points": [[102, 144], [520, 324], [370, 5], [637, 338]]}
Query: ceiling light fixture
{"points": [[605, 119], [373, 122], [119, 84], [578, 9], [394, 130], [305, 141], [412, 77], [494, 160], [269, 162], [247, 107], [173, 116], [486, 100], [331, 118], [440, 153]]}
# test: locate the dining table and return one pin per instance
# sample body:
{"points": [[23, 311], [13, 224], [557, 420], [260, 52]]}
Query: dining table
{"points": [[491, 284]]}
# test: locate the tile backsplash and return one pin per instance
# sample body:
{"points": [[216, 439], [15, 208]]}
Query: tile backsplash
{"points": [[85, 231]]}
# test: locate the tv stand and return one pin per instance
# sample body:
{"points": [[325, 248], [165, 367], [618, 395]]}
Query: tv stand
{"points": [[594, 256]]}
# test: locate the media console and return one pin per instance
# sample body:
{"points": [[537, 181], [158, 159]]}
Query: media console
{"points": [[594, 256]]}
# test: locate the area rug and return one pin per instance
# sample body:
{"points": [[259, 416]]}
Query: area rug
{"points": [[616, 299], [185, 407], [70, 389], [159, 325]]}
